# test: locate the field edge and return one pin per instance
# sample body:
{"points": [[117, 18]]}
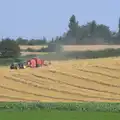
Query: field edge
{"points": [[61, 106]]}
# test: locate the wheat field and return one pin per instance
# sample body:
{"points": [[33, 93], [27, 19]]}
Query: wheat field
{"points": [[68, 48], [35, 47], [74, 47], [66, 81]]}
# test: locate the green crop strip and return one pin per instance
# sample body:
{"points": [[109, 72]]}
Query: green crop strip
{"points": [[82, 107]]}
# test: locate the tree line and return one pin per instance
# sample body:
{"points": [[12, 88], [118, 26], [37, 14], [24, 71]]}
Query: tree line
{"points": [[89, 33], [22, 41]]}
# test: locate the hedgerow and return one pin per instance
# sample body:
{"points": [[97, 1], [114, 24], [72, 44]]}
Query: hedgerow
{"points": [[94, 54], [82, 107], [68, 55]]}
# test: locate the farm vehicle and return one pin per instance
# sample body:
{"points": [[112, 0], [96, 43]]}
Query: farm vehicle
{"points": [[32, 63], [36, 62], [18, 66]]}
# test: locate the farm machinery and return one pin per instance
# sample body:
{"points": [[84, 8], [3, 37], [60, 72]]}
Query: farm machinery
{"points": [[18, 66], [32, 63], [36, 62]]}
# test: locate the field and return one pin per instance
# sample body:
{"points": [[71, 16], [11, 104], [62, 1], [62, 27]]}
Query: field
{"points": [[79, 81], [75, 47], [23, 47], [33, 53], [88, 47], [56, 115], [68, 48], [65, 81]]}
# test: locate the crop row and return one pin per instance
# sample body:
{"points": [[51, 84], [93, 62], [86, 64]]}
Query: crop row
{"points": [[82, 107]]}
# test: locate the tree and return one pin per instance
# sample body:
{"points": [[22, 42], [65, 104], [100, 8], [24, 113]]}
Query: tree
{"points": [[73, 26], [103, 31], [37, 41], [92, 27], [9, 48], [89, 33], [21, 41], [119, 26]]}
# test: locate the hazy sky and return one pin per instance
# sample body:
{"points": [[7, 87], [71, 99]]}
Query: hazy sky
{"points": [[37, 18]]}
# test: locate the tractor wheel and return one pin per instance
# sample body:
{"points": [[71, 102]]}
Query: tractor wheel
{"points": [[16, 67], [11, 67]]}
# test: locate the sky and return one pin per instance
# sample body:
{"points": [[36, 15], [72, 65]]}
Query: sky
{"points": [[37, 18]]}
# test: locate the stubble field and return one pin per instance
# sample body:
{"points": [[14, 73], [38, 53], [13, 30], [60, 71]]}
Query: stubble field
{"points": [[75, 47], [66, 81], [68, 48]]}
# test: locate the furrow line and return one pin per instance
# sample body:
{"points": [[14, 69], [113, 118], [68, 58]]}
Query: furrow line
{"points": [[103, 74], [40, 95], [76, 86], [20, 76], [16, 98], [67, 92], [108, 68], [85, 79]]}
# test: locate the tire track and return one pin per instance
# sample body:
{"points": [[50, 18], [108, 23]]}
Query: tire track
{"points": [[76, 86], [66, 92], [85, 79], [102, 74]]}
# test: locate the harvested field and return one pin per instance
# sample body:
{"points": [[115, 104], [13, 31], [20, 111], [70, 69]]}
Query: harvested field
{"points": [[76, 47], [69, 48], [88, 47], [33, 53], [23, 47], [67, 81]]}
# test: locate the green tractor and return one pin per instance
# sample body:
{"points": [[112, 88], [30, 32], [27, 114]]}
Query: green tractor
{"points": [[14, 66], [20, 65]]}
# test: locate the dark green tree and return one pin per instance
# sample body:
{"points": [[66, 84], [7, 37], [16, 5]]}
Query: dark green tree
{"points": [[9, 48], [22, 41], [73, 26], [93, 27], [119, 26]]}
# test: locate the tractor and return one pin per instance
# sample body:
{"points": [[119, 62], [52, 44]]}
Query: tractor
{"points": [[20, 65], [14, 66]]}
